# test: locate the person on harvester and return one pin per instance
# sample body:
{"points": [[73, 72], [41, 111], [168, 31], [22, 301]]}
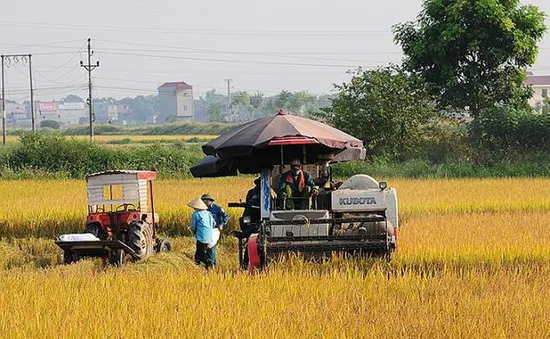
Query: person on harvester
{"points": [[297, 186], [220, 216]]}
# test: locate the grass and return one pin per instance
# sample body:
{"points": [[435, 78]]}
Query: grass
{"points": [[473, 261], [115, 139]]}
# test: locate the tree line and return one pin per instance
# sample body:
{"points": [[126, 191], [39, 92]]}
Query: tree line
{"points": [[465, 57], [216, 107]]}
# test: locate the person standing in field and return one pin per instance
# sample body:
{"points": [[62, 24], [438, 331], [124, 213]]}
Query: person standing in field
{"points": [[221, 218], [202, 225]]}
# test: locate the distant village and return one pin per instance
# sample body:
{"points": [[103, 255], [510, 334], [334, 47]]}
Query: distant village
{"points": [[175, 99], [175, 102]]}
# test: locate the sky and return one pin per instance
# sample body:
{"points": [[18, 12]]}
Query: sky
{"points": [[262, 46]]}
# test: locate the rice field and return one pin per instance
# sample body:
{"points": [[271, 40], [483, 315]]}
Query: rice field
{"points": [[473, 261]]}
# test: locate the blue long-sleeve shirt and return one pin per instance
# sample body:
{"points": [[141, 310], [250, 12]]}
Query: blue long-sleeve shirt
{"points": [[202, 224], [220, 216]]}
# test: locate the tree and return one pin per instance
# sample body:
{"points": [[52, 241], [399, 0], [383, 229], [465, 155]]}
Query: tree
{"points": [[50, 123], [142, 107], [282, 99], [202, 105], [300, 102], [73, 98], [215, 112], [473, 53], [385, 107], [257, 99], [241, 106]]}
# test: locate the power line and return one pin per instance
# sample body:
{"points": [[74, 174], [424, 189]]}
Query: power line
{"points": [[121, 70], [171, 48], [43, 89], [56, 68], [285, 55], [197, 31], [62, 76], [232, 61], [50, 43], [277, 55]]}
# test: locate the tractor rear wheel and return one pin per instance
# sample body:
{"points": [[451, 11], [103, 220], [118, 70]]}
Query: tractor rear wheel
{"points": [[140, 239], [163, 245]]}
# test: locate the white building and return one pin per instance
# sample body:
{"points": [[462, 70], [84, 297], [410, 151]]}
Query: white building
{"points": [[541, 88], [176, 99]]}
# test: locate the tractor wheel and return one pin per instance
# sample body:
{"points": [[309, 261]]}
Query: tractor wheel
{"points": [[117, 257], [140, 239], [256, 255], [67, 257], [163, 245]]}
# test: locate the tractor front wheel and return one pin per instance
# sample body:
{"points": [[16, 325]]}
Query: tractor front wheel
{"points": [[140, 239], [68, 257], [163, 245], [117, 257]]}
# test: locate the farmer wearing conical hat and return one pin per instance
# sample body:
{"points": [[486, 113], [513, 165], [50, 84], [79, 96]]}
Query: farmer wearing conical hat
{"points": [[202, 224], [220, 217]]}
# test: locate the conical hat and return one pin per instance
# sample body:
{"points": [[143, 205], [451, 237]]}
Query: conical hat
{"points": [[198, 204]]}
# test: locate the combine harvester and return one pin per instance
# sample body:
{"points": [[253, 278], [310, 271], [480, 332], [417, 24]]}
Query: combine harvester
{"points": [[119, 223], [358, 217]]}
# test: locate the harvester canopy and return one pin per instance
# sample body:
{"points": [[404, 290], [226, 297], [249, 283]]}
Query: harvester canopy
{"points": [[275, 140], [213, 166]]}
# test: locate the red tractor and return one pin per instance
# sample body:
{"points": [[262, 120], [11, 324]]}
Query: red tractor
{"points": [[121, 221]]}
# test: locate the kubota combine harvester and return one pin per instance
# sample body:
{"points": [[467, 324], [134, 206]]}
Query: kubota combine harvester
{"points": [[358, 216], [121, 219]]}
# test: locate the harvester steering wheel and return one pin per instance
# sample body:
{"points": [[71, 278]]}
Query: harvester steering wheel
{"points": [[126, 207]]}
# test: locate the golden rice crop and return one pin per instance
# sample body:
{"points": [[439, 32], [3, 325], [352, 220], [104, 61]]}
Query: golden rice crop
{"points": [[185, 302], [473, 261], [50, 207]]}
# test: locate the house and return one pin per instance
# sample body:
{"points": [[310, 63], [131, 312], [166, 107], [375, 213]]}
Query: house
{"points": [[176, 99], [105, 111], [541, 88]]}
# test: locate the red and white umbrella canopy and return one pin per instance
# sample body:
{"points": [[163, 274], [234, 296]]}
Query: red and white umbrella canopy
{"points": [[279, 130]]}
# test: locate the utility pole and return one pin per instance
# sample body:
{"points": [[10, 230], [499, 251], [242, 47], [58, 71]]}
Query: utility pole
{"points": [[3, 108], [32, 95], [229, 97], [14, 58], [89, 67]]}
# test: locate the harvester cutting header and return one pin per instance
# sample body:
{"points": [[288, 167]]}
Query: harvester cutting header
{"points": [[358, 216]]}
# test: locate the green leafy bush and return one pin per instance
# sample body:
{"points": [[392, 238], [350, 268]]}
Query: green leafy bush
{"points": [[55, 154]]}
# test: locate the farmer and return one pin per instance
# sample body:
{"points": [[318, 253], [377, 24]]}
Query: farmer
{"points": [[202, 224], [297, 185], [252, 208], [220, 217]]}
